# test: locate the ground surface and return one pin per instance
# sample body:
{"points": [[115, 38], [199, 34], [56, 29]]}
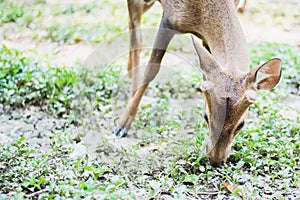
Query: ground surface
{"points": [[67, 148]]}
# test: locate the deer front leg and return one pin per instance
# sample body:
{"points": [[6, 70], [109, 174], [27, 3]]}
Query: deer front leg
{"points": [[161, 43]]}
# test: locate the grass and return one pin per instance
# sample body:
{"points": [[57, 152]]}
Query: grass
{"points": [[264, 160], [277, 14], [69, 23], [25, 82], [162, 158], [21, 13]]}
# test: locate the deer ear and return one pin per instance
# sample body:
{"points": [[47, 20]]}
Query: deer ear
{"points": [[207, 62], [267, 75]]}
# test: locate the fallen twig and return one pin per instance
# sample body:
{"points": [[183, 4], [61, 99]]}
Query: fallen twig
{"points": [[37, 193], [209, 193]]}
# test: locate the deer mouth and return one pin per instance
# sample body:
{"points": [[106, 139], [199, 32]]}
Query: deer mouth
{"points": [[217, 163]]}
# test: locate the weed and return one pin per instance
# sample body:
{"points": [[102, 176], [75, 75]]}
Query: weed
{"points": [[24, 82]]}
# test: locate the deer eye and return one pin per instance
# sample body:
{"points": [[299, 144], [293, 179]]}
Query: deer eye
{"points": [[205, 117], [240, 126]]}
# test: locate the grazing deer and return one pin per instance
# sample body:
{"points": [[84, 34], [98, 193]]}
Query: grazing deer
{"points": [[229, 87]]}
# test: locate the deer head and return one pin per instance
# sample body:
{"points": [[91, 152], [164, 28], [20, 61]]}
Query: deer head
{"points": [[228, 97]]}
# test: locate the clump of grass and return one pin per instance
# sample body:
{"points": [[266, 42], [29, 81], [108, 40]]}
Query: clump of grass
{"points": [[73, 8], [18, 12], [10, 12], [277, 12], [24, 82], [74, 32], [57, 89], [29, 172], [264, 157]]}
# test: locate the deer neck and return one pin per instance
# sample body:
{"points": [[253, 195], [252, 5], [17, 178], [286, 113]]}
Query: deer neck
{"points": [[228, 46]]}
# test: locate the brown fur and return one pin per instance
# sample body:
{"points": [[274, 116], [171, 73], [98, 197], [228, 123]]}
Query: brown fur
{"points": [[225, 67]]}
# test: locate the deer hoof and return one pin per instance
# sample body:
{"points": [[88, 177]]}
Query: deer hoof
{"points": [[117, 130], [124, 133]]}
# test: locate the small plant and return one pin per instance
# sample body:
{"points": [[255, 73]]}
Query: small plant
{"points": [[24, 82], [29, 172], [10, 13], [18, 12]]}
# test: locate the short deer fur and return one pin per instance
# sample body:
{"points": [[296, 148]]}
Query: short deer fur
{"points": [[229, 87]]}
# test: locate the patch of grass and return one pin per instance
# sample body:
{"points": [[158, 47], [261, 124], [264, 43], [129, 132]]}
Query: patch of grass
{"points": [[11, 13], [74, 33], [60, 33], [264, 161], [276, 12], [24, 82], [25, 171], [18, 12], [71, 23], [68, 9], [57, 89]]}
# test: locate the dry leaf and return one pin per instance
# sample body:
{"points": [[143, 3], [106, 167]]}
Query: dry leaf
{"points": [[228, 187]]}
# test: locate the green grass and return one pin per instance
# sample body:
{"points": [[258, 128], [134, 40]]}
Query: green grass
{"points": [[273, 13], [25, 82], [10, 12], [163, 162], [69, 24], [21, 13], [25, 169], [264, 157]]}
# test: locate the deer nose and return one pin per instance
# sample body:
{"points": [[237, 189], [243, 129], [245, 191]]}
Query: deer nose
{"points": [[216, 163]]}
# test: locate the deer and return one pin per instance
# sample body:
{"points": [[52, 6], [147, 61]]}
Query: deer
{"points": [[229, 86]]}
